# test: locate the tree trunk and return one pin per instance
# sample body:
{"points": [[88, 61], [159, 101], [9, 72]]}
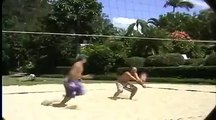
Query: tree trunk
{"points": [[173, 9]]}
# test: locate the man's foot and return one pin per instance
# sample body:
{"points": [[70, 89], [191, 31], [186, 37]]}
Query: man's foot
{"points": [[144, 86], [113, 98], [59, 105]]}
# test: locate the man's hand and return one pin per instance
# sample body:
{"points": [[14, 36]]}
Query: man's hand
{"points": [[141, 83], [143, 86]]}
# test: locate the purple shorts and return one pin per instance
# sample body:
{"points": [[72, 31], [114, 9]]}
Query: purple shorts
{"points": [[73, 88]]}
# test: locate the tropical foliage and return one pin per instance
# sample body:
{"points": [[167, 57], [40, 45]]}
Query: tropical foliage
{"points": [[41, 54], [179, 3]]}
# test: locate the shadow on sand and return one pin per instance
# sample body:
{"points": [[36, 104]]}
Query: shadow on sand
{"points": [[54, 103], [122, 98]]}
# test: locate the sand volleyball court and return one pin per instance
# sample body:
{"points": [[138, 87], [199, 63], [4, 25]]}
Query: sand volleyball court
{"points": [[158, 102]]}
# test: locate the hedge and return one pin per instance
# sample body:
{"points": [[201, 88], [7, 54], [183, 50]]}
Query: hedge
{"points": [[194, 61], [172, 59], [135, 61], [52, 76], [179, 72], [62, 69], [108, 77], [211, 60]]}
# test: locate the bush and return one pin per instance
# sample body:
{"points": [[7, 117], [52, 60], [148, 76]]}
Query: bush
{"points": [[211, 60], [134, 61], [119, 51], [62, 69], [194, 62], [5, 66], [145, 48], [181, 46], [105, 77], [174, 59], [155, 60], [52, 76], [180, 80], [28, 67], [165, 60], [183, 72], [197, 51], [101, 59], [66, 61]]}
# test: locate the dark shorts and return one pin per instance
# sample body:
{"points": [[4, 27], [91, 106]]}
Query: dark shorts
{"points": [[73, 88]]}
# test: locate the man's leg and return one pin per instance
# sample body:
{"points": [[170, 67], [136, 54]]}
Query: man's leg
{"points": [[67, 96], [133, 92], [117, 94], [79, 89], [119, 90], [62, 103], [132, 89]]}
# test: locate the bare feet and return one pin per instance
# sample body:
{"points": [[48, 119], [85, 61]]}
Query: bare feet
{"points": [[59, 105], [144, 86], [114, 98]]}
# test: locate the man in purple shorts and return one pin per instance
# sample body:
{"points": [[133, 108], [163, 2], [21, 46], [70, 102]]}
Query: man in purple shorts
{"points": [[73, 85]]}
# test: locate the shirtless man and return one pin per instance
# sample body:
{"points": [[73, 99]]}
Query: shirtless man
{"points": [[73, 85], [123, 82]]}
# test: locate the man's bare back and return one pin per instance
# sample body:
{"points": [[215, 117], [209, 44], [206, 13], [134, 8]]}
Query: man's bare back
{"points": [[76, 71]]}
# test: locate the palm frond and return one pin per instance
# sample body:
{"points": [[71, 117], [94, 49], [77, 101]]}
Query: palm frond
{"points": [[153, 21], [143, 24], [166, 5], [130, 29], [172, 3], [186, 4]]}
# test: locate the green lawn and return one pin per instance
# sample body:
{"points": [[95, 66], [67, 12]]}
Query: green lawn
{"points": [[6, 81]]}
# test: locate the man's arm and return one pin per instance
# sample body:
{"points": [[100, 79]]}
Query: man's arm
{"points": [[141, 83], [136, 76], [138, 80], [131, 76]]}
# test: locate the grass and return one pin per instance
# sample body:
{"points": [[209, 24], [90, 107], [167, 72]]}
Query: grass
{"points": [[6, 81]]}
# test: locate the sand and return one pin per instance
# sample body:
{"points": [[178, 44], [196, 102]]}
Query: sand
{"points": [[24, 103]]}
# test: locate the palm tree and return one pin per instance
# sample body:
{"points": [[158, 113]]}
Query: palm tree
{"points": [[154, 22], [179, 3], [131, 31], [142, 48]]}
